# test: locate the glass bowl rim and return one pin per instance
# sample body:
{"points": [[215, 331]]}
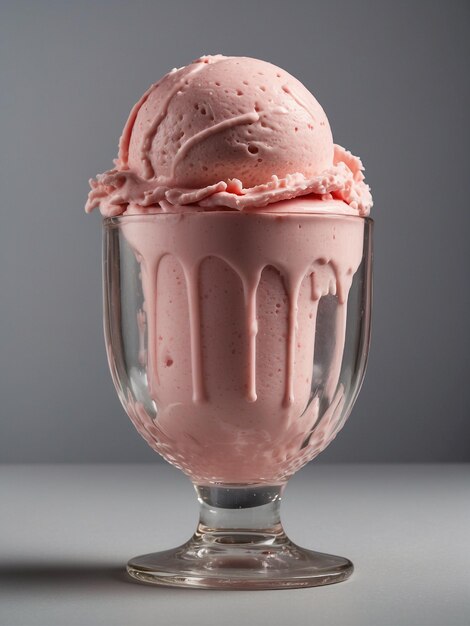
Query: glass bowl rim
{"points": [[116, 220]]}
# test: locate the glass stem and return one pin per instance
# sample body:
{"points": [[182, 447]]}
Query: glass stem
{"points": [[239, 514]]}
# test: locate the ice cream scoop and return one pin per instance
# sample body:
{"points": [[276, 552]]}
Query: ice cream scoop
{"points": [[228, 132]]}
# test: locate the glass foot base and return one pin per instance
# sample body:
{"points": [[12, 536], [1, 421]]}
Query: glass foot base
{"points": [[249, 562], [240, 544]]}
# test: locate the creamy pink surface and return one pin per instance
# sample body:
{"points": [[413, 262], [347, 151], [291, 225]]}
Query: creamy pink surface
{"points": [[231, 302], [228, 132]]}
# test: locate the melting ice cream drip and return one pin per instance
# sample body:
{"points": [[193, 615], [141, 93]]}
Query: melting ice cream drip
{"points": [[293, 283], [149, 282], [191, 274], [250, 289], [293, 289]]}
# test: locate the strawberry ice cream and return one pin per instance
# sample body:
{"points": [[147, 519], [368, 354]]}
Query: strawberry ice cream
{"points": [[243, 216], [228, 132]]}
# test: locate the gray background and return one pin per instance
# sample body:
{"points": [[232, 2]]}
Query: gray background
{"points": [[393, 79]]}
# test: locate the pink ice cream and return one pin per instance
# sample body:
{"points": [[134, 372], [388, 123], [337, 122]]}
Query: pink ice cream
{"points": [[228, 132], [236, 159], [231, 303]]}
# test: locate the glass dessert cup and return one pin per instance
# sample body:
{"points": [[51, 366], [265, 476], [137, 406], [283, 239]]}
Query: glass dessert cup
{"points": [[237, 343]]}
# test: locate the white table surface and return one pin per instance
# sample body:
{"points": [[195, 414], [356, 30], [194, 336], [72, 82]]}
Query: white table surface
{"points": [[66, 532]]}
